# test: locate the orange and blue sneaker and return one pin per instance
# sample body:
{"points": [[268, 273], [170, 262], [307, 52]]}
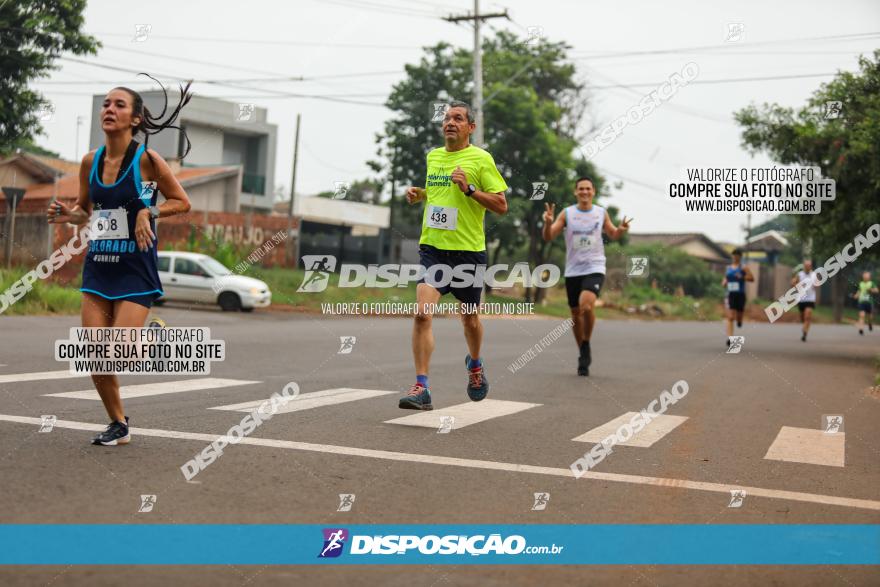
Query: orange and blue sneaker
{"points": [[478, 385], [418, 398]]}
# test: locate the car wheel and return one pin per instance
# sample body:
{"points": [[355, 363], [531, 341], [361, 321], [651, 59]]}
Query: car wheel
{"points": [[229, 302]]}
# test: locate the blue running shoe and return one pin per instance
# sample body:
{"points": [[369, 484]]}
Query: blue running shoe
{"points": [[418, 398], [478, 385], [115, 434]]}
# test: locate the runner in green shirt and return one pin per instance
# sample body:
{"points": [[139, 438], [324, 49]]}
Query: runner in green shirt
{"points": [[866, 302], [461, 183]]}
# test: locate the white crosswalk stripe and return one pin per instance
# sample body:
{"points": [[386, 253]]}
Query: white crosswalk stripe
{"points": [[308, 401], [39, 376], [465, 414], [148, 389], [644, 438], [805, 445]]}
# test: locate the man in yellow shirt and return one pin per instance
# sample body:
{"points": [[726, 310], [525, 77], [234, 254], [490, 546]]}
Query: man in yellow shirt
{"points": [[462, 182]]}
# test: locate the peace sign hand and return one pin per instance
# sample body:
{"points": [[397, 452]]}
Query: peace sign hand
{"points": [[624, 224], [549, 213]]}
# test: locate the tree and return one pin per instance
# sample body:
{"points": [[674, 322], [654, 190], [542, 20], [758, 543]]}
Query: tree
{"points": [[34, 34], [846, 149], [366, 191], [533, 107]]}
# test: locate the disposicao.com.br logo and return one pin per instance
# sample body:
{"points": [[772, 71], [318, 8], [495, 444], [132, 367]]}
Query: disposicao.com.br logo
{"points": [[450, 544], [500, 275]]}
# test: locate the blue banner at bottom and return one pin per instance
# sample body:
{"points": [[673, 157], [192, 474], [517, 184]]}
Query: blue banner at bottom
{"points": [[258, 544]]}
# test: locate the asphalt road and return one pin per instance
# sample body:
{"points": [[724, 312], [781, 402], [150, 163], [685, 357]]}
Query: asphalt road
{"points": [[484, 472]]}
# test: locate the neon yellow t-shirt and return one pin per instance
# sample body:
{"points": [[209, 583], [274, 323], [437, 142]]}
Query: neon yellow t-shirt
{"points": [[461, 217]]}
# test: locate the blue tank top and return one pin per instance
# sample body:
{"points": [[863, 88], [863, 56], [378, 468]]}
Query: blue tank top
{"points": [[115, 268], [736, 280]]}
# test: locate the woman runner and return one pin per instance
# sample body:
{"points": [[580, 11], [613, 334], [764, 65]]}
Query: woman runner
{"points": [[118, 197]]}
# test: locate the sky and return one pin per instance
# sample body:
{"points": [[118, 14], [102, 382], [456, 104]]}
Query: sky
{"points": [[355, 50]]}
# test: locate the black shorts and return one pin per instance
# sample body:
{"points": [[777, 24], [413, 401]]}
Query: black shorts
{"points": [[804, 305], [736, 300], [145, 300], [575, 284], [866, 307], [431, 256]]}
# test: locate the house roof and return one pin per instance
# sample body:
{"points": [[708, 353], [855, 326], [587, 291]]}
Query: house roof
{"points": [[62, 165], [33, 165], [678, 239], [68, 185], [771, 239]]}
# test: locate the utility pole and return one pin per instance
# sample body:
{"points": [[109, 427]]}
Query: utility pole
{"points": [[79, 121], [477, 104], [748, 229], [293, 246], [394, 249]]}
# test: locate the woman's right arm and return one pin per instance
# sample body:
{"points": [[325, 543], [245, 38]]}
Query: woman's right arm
{"points": [[61, 213]]}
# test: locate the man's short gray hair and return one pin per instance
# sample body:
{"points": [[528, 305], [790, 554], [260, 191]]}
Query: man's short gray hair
{"points": [[466, 106]]}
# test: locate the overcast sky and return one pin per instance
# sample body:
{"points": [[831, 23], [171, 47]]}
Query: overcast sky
{"points": [[366, 43]]}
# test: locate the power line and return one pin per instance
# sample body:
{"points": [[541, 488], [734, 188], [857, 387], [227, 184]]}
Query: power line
{"points": [[264, 42], [377, 7], [279, 77], [231, 85], [729, 47], [717, 81]]}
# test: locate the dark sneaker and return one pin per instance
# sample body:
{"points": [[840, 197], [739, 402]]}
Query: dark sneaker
{"points": [[586, 354], [116, 433], [739, 324], [418, 398], [478, 385], [804, 337], [584, 360], [582, 366], [862, 332]]}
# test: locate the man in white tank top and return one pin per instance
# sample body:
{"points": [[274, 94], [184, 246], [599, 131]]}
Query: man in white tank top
{"points": [[808, 299], [583, 225]]}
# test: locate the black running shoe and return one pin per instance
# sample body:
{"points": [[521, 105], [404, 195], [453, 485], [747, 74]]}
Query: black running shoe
{"points": [[871, 327], [582, 367], [418, 398], [585, 359], [739, 324], [804, 337], [585, 351], [862, 332], [116, 433]]}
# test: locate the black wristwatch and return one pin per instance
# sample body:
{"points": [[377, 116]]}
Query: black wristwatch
{"points": [[471, 189]]}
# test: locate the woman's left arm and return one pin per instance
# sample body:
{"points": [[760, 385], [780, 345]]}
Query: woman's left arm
{"points": [[155, 168]]}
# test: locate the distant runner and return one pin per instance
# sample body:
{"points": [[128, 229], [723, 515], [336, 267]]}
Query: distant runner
{"points": [[866, 301], [734, 281], [808, 299], [583, 224]]}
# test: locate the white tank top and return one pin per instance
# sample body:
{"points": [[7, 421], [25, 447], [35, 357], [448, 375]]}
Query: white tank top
{"points": [[585, 251], [810, 291]]}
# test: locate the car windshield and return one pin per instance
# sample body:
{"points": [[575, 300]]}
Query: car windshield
{"points": [[215, 266]]}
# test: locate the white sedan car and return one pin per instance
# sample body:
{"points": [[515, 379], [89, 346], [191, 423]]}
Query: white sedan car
{"points": [[193, 277]]}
